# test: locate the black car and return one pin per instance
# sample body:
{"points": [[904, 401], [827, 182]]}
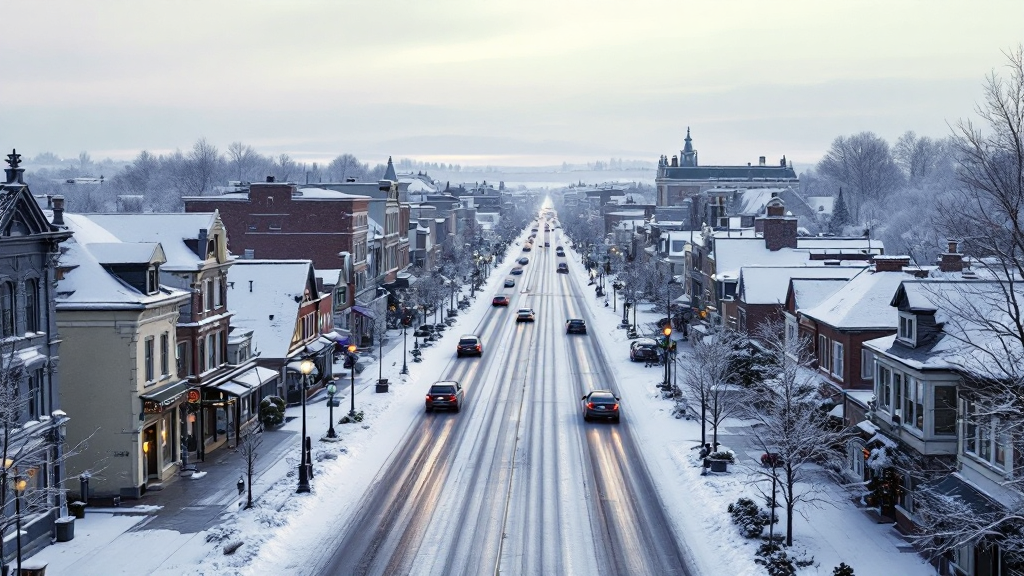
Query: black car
{"points": [[601, 404], [469, 345], [560, 252], [563, 268], [445, 395], [524, 260], [644, 350], [576, 326]]}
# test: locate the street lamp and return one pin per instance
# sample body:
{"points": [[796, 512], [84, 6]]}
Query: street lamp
{"points": [[667, 331], [331, 390], [405, 344], [306, 367], [352, 390], [19, 488]]}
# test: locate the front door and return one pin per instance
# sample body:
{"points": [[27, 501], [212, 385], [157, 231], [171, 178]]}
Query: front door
{"points": [[151, 453]]}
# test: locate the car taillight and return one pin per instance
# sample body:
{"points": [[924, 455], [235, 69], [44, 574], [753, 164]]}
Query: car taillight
{"points": [[615, 406], [590, 405], [477, 347], [428, 396], [451, 398]]}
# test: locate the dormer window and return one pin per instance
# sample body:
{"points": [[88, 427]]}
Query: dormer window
{"points": [[153, 280], [908, 329]]}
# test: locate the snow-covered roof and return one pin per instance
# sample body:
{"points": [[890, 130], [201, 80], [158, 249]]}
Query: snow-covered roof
{"points": [[862, 304], [809, 293], [265, 297], [769, 284], [754, 200], [840, 245], [973, 318], [126, 252], [313, 193], [87, 284], [731, 254], [821, 204], [170, 230]]}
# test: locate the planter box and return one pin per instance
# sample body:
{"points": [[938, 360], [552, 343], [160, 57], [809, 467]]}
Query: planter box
{"points": [[382, 385], [719, 465], [65, 528]]}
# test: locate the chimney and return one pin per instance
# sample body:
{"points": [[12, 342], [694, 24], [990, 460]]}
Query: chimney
{"points": [[951, 260], [675, 161], [58, 210], [270, 178], [350, 179], [890, 263], [760, 161], [49, 201], [778, 229]]}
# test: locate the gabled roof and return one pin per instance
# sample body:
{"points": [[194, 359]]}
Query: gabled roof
{"points": [[863, 304], [170, 230], [110, 253], [807, 293], [769, 284], [17, 204], [87, 284], [265, 296], [976, 330]]}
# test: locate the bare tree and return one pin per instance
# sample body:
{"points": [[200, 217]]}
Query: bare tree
{"points": [[286, 168], [249, 445], [791, 424], [200, 167], [863, 164], [710, 380], [243, 160], [345, 166]]}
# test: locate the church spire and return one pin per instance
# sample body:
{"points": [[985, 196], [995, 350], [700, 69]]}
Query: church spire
{"points": [[688, 156], [389, 173]]}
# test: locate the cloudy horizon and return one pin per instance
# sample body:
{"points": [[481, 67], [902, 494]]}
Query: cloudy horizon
{"points": [[522, 83]]}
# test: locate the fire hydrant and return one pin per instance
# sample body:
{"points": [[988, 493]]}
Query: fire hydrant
{"points": [[241, 485]]}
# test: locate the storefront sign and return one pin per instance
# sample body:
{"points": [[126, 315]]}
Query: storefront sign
{"points": [[193, 395], [151, 407]]}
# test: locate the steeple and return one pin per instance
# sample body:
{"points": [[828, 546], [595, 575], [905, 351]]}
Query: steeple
{"points": [[688, 156], [389, 174], [15, 173]]}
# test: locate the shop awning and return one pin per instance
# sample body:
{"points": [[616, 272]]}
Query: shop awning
{"points": [[168, 394], [337, 337], [364, 311], [233, 389], [317, 346], [256, 377]]}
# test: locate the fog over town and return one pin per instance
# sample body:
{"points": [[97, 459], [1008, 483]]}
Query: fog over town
{"points": [[666, 288]]}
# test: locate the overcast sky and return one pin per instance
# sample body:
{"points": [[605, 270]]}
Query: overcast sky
{"points": [[492, 81]]}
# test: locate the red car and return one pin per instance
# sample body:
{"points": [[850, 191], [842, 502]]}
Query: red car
{"points": [[500, 301]]}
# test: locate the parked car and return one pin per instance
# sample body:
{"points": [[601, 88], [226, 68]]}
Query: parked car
{"points": [[563, 268], [516, 271], [576, 326], [445, 395], [510, 282], [469, 345], [524, 260], [560, 252], [525, 315], [500, 300], [601, 404], [644, 349], [527, 247]]}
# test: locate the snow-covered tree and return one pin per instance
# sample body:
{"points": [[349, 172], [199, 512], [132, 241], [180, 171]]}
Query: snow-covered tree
{"points": [[840, 215], [791, 423], [249, 445], [864, 165], [709, 380]]}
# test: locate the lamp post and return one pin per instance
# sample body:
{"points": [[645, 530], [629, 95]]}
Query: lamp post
{"points": [[667, 331], [306, 367], [352, 390], [19, 488], [331, 390], [405, 344]]}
